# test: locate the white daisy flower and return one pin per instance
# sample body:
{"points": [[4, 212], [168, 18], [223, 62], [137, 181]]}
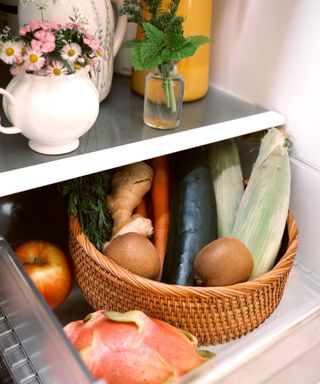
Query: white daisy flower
{"points": [[71, 52], [10, 51], [78, 68], [34, 60], [55, 68]]}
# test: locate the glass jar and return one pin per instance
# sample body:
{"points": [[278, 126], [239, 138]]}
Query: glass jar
{"points": [[163, 97]]}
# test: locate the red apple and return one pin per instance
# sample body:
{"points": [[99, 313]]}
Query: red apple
{"points": [[48, 268]]}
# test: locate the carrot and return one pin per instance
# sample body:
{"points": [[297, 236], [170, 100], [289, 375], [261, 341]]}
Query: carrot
{"points": [[160, 204], [141, 209]]}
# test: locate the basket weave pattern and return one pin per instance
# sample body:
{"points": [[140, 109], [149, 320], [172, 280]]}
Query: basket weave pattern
{"points": [[214, 314]]}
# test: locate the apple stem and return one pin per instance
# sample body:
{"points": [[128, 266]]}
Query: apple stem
{"points": [[36, 261]]}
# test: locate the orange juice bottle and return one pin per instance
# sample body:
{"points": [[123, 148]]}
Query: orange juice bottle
{"points": [[195, 69]]}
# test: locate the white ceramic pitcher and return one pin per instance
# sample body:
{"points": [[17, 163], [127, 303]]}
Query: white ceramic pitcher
{"points": [[100, 20], [52, 112]]}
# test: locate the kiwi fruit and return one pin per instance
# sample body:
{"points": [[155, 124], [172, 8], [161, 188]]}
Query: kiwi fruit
{"points": [[222, 262], [136, 253]]}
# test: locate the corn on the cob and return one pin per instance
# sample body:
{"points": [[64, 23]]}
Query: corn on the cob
{"points": [[261, 217], [227, 181]]}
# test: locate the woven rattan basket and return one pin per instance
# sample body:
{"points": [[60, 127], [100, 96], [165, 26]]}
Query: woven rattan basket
{"points": [[213, 315]]}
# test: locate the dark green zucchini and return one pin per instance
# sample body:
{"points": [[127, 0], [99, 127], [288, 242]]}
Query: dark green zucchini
{"points": [[193, 215]]}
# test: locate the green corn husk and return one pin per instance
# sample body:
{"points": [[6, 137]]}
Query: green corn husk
{"points": [[262, 214], [227, 181]]}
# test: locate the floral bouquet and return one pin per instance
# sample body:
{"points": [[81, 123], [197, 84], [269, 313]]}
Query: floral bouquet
{"points": [[49, 49]]}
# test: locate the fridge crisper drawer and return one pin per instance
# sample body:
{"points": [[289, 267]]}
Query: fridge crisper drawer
{"points": [[32, 342]]}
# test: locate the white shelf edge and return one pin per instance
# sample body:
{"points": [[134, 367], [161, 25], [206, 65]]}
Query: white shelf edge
{"points": [[39, 175], [221, 371]]}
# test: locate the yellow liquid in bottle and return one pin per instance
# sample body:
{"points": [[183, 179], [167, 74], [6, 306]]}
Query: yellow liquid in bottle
{"points": [[195, 69]]}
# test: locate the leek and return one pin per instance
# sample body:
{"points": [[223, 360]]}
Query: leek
{"points": [[226, 174], [262, 214]]}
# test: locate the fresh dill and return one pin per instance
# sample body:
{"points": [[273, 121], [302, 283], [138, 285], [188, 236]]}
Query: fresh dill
{"points": [[86, 197]]}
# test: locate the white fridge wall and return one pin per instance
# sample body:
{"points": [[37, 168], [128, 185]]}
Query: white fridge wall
{"points": [[305, 205], [268, 52]]}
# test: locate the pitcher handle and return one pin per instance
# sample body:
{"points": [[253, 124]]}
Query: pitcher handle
{"points": [[121, 27], [12, 100]]}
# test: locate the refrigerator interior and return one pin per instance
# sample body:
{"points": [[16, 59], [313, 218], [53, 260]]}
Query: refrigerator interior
{"points": [[265, 69]]}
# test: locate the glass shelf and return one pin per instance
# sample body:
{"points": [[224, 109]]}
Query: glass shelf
{"points": [[119, 137]]}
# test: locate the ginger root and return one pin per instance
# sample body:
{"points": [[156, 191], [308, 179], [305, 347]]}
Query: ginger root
{"points": [[128, 186], [137, 224]]}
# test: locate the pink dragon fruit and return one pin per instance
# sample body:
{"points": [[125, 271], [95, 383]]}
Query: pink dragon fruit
{"points": [[133, 348]]}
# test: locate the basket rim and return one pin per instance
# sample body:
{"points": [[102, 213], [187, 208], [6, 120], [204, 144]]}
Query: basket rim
{"points": [[279, 270]]}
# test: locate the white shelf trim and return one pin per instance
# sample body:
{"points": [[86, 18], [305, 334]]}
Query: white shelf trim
{"points": [[54, 171]]}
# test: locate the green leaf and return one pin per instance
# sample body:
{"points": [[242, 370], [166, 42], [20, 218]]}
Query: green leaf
{"points": [[153, 34], [174, 25], [175, 41], [136, 58], [187, 50], [198, 40], [206, 354], [150, 55]]}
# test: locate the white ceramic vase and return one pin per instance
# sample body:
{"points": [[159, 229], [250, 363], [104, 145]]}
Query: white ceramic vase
{"points": [[99, 16], [52, 112]]}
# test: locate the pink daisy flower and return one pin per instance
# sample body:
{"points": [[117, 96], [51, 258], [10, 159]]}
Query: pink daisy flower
{"points": [[18, 69], [71, 52], [34, 60], [81, 68], [10, 51], [55, 68]]}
